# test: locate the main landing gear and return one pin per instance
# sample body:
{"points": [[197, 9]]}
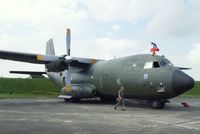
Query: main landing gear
{"points": [[158, 104]]}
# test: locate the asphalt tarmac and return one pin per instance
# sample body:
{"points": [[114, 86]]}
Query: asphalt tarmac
{"points": [[53, 116]]}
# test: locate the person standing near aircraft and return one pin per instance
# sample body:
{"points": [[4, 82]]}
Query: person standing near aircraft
{"points": [[120, 98]]}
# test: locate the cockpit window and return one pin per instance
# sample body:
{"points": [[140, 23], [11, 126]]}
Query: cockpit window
{"points": [[157, 63], [167, 62], [162, 63], [148, 65], [154, 64], [171, 64]]}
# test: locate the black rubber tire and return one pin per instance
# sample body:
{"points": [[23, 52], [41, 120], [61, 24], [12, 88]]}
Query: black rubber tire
{"points": [[158, 104]]}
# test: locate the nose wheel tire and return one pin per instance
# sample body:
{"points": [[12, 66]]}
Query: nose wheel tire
{"points": [[158, 104]]}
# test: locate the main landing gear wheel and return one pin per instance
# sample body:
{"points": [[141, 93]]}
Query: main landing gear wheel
{"points": [[158, 104], [107, 99], [67, 100]]}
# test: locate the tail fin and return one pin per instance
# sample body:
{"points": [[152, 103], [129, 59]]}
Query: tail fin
{"points": [[50, 47]]}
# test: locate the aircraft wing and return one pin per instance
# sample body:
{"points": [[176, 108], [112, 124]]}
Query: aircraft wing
{"points": [[45, 59], [27, 57]]}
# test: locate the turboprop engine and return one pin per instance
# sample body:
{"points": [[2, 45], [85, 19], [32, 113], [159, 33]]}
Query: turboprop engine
{"points": [[80, 91]]}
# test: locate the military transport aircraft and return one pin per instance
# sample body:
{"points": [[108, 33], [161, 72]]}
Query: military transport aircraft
{"points": [[145, 77]]}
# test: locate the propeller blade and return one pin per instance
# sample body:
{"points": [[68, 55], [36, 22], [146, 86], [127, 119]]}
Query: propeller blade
{"points": [[68, 41], [68, 73], [68, 80]]}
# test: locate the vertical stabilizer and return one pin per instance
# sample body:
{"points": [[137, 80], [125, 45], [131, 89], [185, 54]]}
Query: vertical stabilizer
{"points": [[50, 47]]}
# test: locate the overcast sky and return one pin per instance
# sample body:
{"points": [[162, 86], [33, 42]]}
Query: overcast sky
{"points": [[102, 29]]}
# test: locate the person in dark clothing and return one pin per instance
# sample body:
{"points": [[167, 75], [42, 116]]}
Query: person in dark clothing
{"points": [[120, 98]]}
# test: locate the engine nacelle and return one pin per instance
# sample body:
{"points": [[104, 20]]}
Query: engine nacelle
{"points": [[56, 66], [81, 91]]}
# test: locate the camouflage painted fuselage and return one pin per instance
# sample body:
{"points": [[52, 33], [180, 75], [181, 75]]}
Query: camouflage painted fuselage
{"points": [[143, 76]]}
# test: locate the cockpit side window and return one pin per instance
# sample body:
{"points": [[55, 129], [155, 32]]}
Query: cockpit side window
{"points": [[163, 63], [156, 64], [166, 61], [148, 65]]}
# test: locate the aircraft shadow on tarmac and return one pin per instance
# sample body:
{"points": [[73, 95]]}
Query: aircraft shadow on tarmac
{"points": [[27, 102], [130, 104], [139, 104]]}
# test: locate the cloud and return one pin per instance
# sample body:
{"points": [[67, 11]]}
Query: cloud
{"points": [[194, 55], [101, 29], [116, 27], [174, 19], [105, 48], [106, 11], [193, 58], [162, 18], [31, 23], [7, 66]]}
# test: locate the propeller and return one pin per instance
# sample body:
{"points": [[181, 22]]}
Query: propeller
{"points": [[65, 62], [68, 59]]}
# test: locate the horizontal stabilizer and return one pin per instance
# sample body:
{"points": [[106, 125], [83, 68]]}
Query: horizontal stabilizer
{"points": [[28, 72], [183, 68], [33, 74]]}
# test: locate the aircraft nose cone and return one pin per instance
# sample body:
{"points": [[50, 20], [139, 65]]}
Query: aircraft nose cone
{"points": [[181, 82]]}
